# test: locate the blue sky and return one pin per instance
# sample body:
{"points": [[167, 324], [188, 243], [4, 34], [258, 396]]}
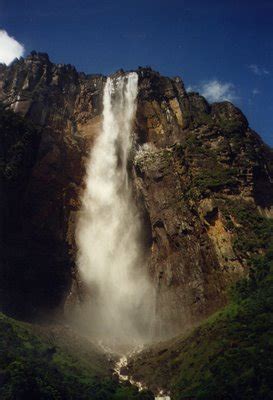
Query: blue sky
{"points": [[224, 48]]}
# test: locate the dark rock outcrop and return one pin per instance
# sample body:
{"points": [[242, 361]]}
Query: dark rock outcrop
{"points": [[36, 276]]}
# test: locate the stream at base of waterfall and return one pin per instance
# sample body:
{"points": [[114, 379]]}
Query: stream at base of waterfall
{"points": [[121, 368], [121, 365]]}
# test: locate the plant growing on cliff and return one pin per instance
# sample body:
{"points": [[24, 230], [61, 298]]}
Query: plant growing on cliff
{"points": [[253, 232], [216, 178], [211, 179]]}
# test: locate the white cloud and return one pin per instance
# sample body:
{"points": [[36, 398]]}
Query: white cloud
{"points": [[257, 70], [9, 48], [215, 90], [190, 88], [255, 92]]}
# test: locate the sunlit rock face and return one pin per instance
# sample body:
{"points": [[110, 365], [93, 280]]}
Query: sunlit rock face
{"points": [[196, 162], [191, 164]]}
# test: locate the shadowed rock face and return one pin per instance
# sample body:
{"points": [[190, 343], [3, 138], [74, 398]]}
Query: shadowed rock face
{"points": [[193, 163], [66, 106]]}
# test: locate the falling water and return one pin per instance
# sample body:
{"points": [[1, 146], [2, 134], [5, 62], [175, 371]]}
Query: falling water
{"points": [[111, 259]]}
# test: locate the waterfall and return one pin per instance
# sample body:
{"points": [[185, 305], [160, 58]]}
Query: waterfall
{"points": [[111, 259]]}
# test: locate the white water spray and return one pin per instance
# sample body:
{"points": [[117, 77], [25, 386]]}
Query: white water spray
{"points": [[110, 257]]}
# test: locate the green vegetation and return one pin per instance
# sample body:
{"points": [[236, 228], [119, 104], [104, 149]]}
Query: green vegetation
{"points": [[215, 178], [31, 368], [235, 354], [230, 356], [229, 125], [254, 232], [203, 119], [212, 177], [193, 143], [196, 119], [210, 174]]}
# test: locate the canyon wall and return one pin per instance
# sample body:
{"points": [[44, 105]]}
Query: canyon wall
{"points": [[200, 175]]}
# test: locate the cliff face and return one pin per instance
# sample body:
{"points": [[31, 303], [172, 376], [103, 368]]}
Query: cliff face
{"points": [[66, 106], [202, 177]]}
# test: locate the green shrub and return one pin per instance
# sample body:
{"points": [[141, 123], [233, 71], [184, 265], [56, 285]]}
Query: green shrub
{"points": [[31, 369], [215, 179], [229, 125]]}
